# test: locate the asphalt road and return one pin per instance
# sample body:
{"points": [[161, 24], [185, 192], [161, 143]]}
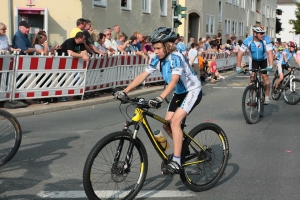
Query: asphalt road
{"points": [[264, 157]]}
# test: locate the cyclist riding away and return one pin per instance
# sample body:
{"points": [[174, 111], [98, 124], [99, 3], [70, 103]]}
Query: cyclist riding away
{"points": [[180, 78], [260, 48], [287, 54]]}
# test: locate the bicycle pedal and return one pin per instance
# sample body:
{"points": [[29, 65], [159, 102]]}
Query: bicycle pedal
{"points": [[166, 174]]}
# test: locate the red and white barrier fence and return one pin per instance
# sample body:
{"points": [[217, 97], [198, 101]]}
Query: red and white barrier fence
{"points": [[31, 77]]}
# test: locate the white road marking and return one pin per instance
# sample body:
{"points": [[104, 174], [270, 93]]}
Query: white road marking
{"points": [[242, 76], [142, 194], [238, 87], [220, 87]]}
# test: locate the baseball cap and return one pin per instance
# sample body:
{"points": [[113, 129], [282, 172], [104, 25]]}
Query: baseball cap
{"points": [[24, 23]]}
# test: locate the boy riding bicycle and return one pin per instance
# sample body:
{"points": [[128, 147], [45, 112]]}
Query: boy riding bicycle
{"points": [[180, 78], [260, 48]]}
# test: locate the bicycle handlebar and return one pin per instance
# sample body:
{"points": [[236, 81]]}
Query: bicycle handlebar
{"points": [[138, 101], [253, 70]]}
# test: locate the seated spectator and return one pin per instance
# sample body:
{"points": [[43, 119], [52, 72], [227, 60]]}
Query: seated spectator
{"points": [[121, 42], [133, 48], [99, 44], [4, 45], [20, 39], [214, 72], [110, 44], [41, 45]]}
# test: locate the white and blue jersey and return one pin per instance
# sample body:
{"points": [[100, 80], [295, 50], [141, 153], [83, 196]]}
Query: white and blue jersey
{"points": [[279, 58], [258, 50], [175, 63], [289, 55], [181, 48]]}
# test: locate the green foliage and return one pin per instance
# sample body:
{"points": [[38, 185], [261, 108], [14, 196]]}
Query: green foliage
{"points": [[296, 22]]}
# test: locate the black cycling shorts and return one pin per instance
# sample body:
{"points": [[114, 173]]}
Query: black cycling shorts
{"points": [[262, 64], [187, 101]]}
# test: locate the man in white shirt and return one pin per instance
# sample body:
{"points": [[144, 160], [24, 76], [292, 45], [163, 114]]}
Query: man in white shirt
{"points": [[193, 58], [110, 43]]}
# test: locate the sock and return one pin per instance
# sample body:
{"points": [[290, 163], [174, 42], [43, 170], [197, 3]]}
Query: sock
{"points": [[177, 159]]}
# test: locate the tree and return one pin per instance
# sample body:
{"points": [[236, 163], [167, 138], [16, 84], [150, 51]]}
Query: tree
{"points": [[296, 22]]}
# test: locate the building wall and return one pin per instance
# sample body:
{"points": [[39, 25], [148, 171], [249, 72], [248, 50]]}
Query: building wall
{"points": [[63, 15], [4, 16], [288, 33]]}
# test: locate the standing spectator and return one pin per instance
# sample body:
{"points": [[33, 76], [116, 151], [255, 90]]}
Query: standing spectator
{"points": [[180, 46], [41, 45], [115, 32], [192, 40], [121, 42], [89, 46], [4, 46], [233, 41], [206, 44], [147, 47], [133, 48], [80, 23], [110, 43], [20, 39], [75, 47], [99, 44], [140, 40], [193, 58]]}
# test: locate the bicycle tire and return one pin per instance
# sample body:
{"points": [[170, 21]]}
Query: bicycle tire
{"points": [[212, 137], [292, 97], [169, 97], [262, 97], [251, 104], [10, 136], [111, 177], [278, 95]]}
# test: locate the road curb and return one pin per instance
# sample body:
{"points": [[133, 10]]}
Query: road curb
{"points": [[60, 106]]}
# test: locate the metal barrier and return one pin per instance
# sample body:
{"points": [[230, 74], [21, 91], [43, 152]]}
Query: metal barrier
{"points": [[7, 64]]}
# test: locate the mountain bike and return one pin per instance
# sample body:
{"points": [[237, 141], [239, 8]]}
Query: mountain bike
{"points": [[289, 87], [169, 97], [10, 136], [254, 97], [117, 165]]}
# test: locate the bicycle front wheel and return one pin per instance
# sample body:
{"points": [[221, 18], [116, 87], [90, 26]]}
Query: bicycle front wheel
{"points": [[262, 99], [170, 96], [251, 104], [10, 136], [291, 93], [104, 176], [203, 168]]}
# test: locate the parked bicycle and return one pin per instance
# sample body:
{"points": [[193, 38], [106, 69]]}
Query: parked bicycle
{"points": [[117, 165], [289, 87], [254, 97], [10, 136]]}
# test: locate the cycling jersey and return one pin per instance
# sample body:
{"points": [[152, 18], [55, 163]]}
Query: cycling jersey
{"points": [[279, 57], [289, 55], [175, 63], [181, 48], [258, 50]]}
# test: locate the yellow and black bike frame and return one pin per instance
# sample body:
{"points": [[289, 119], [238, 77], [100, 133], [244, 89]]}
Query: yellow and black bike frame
{"points": [[139, 117]]}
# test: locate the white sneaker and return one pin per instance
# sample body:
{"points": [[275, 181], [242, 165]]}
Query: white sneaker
{"points": [[267, 101], [222, 77]]}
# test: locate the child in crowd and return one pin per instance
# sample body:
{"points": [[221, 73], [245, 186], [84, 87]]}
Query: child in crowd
{"points": [[214, 71]]}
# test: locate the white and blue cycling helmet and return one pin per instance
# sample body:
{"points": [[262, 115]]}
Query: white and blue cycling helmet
{"points": [[259, 28]]}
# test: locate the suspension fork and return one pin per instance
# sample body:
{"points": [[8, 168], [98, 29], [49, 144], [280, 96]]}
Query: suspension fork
{"points": [[133, 136]]}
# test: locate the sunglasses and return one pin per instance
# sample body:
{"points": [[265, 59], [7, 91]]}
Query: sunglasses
{"points": [[260, 33], [108, 34], [3, 29]]}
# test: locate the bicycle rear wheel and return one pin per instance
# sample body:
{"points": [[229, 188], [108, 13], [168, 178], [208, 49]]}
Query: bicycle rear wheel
{"points": [[204, 175], [104, 176], [275, 94], [169, 97], [262, 100], [10, 136], [291, 93], [251, 104]]}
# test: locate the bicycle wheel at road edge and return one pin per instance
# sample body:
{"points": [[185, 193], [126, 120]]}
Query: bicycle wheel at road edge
{"points": [[104, 179], [275, 96], [292, 97], [10, 136], [205, 175], [250, 105]]}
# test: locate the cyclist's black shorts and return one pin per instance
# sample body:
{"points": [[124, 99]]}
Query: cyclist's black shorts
{"points": [[284, 67], [180, 101], [262, 64]]}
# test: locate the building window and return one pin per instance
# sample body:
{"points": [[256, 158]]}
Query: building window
{"points": [[242, 3], [100, 3], [229, 1], [210, 24], [268, 12], [227, 26], [264, 9], [163, 7], [253, 5], [220, 11], [146, 6], [126, 4], [241, 29]]}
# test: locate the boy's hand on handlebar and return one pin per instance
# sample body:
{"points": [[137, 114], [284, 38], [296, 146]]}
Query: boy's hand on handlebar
{"points": [[120, 94], [156, 102]]}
